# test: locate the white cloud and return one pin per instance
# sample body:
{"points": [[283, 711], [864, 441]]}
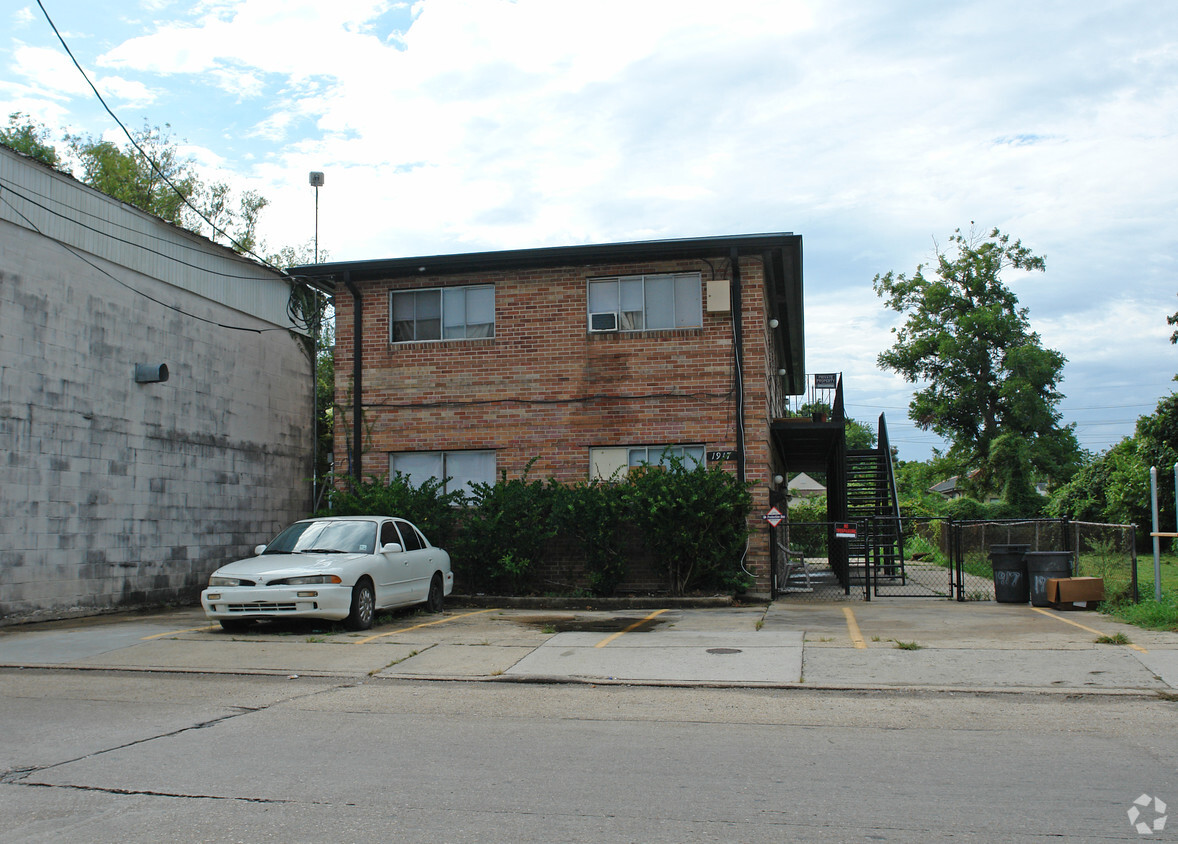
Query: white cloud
{"points": [[868, 128], [126, 93]]}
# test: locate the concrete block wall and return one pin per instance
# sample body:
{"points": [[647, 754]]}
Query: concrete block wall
{"points": [[118, 494], [546, 388]]}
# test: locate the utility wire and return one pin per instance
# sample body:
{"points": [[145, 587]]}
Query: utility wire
{"points": [[8, 186], [147, 157], [121, 283]]}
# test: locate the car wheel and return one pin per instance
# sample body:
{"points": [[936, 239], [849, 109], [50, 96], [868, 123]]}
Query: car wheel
{"points": [[363, 606], [236, 625], [437, 595]]}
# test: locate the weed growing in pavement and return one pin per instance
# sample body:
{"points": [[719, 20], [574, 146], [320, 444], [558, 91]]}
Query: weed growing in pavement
{"points": [[1115, 639], [908, 646]]}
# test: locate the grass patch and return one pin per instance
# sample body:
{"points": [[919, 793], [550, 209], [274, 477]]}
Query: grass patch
{"points": [[1148, 614], [1115, 639], [908, 646]]}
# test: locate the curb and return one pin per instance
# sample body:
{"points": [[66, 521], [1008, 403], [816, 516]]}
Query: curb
{"points": [[636, 602]]}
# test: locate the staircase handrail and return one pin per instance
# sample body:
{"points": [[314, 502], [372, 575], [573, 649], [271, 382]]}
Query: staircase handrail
{"points": [[886, 450]]}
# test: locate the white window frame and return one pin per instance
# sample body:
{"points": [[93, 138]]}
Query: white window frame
{"points": [[451, 325], [608, 462], [631, 304], [443, 459]]}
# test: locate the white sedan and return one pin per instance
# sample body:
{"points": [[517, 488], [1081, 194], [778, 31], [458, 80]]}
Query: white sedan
{"points": [[341, 567]]}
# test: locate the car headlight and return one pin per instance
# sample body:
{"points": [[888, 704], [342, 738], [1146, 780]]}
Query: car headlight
{"points": [[225, 581], [307, 580]]}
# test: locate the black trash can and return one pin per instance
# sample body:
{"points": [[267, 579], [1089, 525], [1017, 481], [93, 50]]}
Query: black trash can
{"points": [[1041, 567], [1011, 585]]}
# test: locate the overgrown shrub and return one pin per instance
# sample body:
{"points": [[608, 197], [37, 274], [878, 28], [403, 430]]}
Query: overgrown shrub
{"points": [[694, 523], [591, 513], [503, 532], [427, 505]]}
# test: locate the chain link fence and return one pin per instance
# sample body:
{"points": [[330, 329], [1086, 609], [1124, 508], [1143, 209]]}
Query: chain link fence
{"points": [[948, 558]]}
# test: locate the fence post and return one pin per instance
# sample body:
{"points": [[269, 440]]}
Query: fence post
{"points": [[1133, 561], [1157, 541]]}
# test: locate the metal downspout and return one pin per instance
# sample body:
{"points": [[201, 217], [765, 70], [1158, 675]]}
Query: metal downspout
{"points": [[738, 351], [357, 368]]}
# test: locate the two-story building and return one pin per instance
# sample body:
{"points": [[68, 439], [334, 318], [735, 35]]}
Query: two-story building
{"points": [[586, 360]]}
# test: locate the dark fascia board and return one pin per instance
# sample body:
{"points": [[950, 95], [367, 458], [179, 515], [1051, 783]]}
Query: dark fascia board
{"points": [[558, 256]]}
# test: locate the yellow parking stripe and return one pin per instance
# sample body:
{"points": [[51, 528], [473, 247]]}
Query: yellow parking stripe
{"points": [[633, 626], [853, 629], [1082, 627], [424, 624], [174, 632]]}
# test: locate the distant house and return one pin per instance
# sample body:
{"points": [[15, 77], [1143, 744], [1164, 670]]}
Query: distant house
{"points": [[156, 402], [802, 487], [948, 488], [951, 490]]}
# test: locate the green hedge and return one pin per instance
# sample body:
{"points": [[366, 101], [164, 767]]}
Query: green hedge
{"points": [[693, 521]]}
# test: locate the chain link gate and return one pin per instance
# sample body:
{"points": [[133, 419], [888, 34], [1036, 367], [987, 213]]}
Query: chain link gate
{"points": [[937, 557]]}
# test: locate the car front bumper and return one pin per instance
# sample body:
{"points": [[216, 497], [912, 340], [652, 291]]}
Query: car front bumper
{"points": [[257, 602]]}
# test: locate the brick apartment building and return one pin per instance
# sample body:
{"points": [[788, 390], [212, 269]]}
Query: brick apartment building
{"points": [[585, 360]]}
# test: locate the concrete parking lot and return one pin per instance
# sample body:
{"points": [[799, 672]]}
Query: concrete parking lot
{"points": [[885, 644]]}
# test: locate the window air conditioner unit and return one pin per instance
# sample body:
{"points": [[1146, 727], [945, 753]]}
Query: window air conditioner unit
{"points": [[603, 322]]}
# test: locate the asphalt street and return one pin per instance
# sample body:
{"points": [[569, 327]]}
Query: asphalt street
{"points": [[898, 720]]}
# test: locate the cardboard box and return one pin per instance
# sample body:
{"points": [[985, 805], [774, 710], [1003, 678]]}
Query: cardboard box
{"points": [[1066, 592]]}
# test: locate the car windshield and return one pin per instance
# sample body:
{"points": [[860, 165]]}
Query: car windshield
{"points": [[326, 537]]}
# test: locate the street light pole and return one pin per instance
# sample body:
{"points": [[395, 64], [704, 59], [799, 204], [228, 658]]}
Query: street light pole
{"points": [[316, 179]]}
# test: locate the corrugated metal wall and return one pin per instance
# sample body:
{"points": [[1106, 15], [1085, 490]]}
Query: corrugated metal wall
{"points": [[59, 207]]}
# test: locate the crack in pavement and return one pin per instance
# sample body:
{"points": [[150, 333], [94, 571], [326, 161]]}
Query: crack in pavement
{"points": [[17, 776]]}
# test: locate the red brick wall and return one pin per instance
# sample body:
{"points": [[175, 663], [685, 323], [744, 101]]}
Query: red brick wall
{"points": [[545, 388]]}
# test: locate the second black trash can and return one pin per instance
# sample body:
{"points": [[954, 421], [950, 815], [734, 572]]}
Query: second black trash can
{"points": [[1009, 563], [1042, 566]]}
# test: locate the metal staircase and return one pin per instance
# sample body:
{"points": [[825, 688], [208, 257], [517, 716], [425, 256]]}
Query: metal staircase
{"points": [[877, 551]]}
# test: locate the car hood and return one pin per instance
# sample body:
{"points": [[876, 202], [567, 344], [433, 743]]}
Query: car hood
{"points": [[269, 566]]}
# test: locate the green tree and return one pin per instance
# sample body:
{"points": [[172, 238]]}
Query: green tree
{"points": [[24, 135], [985, 373], [152, 175], [159, 186], [1173, 320], [1114, 486]]}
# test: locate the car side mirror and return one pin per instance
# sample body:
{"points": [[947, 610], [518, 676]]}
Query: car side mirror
{"points": [[258, 549], [392, 548]]}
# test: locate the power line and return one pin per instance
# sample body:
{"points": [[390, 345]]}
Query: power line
{"points": [[8, 186], [81, 257], [140, 149]]}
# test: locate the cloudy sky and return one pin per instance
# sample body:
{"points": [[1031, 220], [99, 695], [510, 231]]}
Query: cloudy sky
{"points": [[873, 129]]}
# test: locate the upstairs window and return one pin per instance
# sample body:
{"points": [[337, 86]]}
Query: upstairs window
{"points": [[442, 313], [645, 302]]}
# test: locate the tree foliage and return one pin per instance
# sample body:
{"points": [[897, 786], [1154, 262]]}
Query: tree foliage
{"points": [[26, 136], [1114, 486], [985, 374], [150, 174]]}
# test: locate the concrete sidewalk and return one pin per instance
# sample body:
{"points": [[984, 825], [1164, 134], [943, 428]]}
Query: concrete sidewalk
{"points": [[892, 644]]}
